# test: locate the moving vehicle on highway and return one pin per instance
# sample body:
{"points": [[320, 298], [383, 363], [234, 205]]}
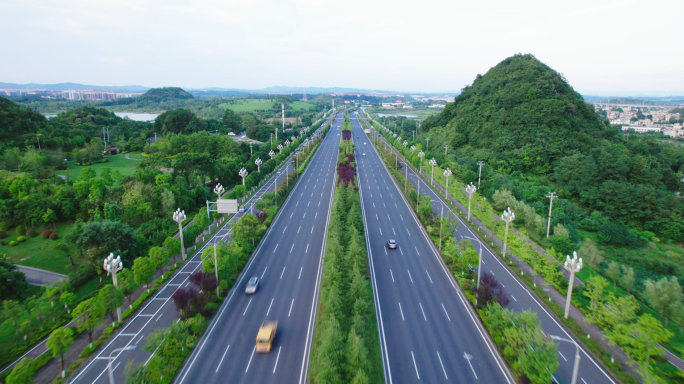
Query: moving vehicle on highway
{"points": [[266, 334], [252, 285], [391, 244]]}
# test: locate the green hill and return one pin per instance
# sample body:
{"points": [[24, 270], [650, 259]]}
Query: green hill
{"points": [[536, 135], [523, 112], [17, 121], [156, 95]]}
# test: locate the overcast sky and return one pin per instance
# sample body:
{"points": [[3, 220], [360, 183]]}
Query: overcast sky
{"points": [[603, 47]]}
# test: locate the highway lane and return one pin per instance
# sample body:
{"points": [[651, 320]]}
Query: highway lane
{"points": [[159, 312], [521, 299], [288, 262], [428, 332]]}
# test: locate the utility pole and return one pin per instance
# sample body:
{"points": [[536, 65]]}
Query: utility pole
{"points": [[427, 145], [551, 196], [445, 149], [479, 176]]}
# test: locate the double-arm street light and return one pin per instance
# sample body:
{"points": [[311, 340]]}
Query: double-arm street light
{"points": [[479, 263], [421, 155], [179, 217], [441, 219], [575, 369]]}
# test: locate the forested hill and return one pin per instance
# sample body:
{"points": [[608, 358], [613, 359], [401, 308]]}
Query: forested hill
{"points": [[153, 96], [536, 134], [521, 109], [17, 120]]}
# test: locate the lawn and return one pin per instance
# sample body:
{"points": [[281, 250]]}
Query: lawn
{"points": [[37, 252], [299, 105], [250, 105], [118, 162]]}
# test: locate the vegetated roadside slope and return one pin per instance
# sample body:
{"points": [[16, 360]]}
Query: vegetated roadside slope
{"points": [[522, 109]]}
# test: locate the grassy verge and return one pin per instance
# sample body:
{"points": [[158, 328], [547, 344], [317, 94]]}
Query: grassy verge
{"points": [[117, 162]]}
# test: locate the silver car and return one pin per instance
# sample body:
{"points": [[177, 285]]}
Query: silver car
{"points": [[252, 285]]}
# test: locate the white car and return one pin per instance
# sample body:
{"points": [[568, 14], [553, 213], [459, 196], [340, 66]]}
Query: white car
{"points": [[364, 154], [364, 143]]}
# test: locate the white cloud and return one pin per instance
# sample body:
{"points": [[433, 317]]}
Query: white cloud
{"points": [[600, 45]]}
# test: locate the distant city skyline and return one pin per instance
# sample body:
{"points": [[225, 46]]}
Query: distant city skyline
{"points": [[603, 47]]}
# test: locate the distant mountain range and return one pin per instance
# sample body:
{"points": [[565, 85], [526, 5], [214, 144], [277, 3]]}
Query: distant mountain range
{"points": [[218, 91], [65, 86]]}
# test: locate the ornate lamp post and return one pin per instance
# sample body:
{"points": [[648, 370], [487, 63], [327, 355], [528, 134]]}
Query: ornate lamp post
{"points": [[573, 265], [280, 148], [243, 173], [551, 196], [470, 189], [287, 142], [258, 164], [218, 189], [508, 216], [432, 163], [112, 265], [271, 153], [479, 175], [447, 174], [179, 217], [405, 143]]}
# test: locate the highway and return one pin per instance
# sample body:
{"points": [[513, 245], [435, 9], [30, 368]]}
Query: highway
{"points": [[590, 372], [428, 332], [160, 312], [288, 261]]}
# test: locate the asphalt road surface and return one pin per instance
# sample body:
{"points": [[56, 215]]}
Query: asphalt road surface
{"points": [[35, 276], [520, 298], [288, 261], [428, 332], [160, 312]]}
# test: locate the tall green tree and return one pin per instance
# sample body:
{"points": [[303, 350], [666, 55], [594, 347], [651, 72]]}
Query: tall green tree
{"points": [[143, 269], [88, 315], [159, 257], [59, 342], [665, 296]]}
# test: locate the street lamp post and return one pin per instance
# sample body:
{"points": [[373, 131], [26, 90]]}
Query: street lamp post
{"points": [[479, 264], [427, 144], [573, 265], [508, 216], [575, 368], [479, 175], [551, 196], [216, 267], [179, 217], [445, 149], [110, 372], [271, 153], [433, 162], [441, 219], [421, 155], [112, 265], [243, 173], [280, 148], [447, 174], [470, 189], [258, 163]]}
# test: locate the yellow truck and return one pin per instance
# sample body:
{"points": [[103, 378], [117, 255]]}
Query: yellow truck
{"points": [[266, 335]]}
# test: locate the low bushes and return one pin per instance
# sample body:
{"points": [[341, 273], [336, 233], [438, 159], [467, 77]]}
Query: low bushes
{"points": [[54, 236], [46, 233]]}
